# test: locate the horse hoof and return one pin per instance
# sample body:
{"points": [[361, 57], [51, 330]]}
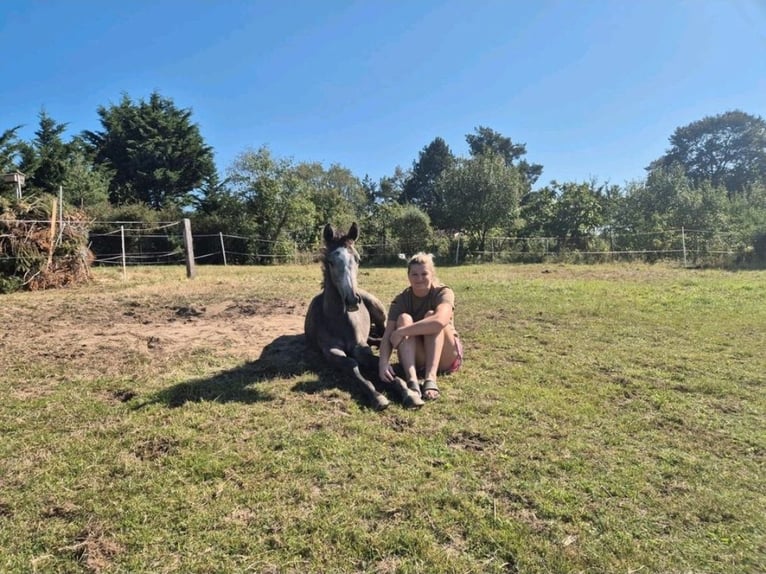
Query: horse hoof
{"points": [[381, 403], [412, 400]]}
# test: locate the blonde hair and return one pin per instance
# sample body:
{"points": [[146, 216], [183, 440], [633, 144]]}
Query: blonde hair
{"points": [[427, 260]]}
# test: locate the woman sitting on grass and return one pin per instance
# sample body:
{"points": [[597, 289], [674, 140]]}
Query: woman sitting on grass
{"points": [[420, 327]]}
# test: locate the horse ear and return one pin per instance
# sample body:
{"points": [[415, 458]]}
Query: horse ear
{"points": [[353, 233], [329, 234]]}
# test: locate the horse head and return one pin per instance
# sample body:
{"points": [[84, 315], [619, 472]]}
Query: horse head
{"points": [[341, 264]]}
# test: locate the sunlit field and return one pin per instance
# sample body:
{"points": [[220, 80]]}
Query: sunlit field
{"points": [[607, 419]]}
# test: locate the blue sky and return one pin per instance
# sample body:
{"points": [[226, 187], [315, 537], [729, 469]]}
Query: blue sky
{"points": [[594, 88]]}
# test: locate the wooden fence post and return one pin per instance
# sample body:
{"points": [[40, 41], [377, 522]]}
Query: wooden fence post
{"points": [[122, 246], [191, 270], [223, 247], [54, 206]]}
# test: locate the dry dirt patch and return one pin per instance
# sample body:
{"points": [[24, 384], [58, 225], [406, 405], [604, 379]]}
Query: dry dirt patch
{"points": [[86, 336]]}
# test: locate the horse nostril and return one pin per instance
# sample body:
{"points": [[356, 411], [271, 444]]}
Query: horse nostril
{"points": [[353, 303]]}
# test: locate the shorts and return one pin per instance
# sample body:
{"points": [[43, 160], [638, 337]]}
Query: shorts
{"points": [[456, 364]]}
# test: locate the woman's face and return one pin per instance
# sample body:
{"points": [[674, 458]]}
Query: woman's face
{"points": [[420, 279]]}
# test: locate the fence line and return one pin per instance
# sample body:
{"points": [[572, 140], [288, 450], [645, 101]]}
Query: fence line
{"points": [[499, 246], [141, 244]]}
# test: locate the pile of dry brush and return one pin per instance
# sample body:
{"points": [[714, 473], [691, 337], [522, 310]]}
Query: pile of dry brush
{"points": [[41, 248]]}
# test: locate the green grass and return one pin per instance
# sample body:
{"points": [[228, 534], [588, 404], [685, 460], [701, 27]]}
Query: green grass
{"points": [[607, 419]]}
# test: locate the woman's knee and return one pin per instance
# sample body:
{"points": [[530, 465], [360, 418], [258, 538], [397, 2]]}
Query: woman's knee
{"points": [[403, 320]]}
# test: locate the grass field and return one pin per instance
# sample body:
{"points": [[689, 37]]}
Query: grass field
{"points": [[607, 419]]}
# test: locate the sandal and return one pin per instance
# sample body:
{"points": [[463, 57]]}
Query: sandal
{"points": [[430, 385]]}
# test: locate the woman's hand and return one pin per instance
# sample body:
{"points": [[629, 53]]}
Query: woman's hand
{"points": [[395, 339], [386, 372]]}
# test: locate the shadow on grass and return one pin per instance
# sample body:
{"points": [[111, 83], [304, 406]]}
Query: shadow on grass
{"points": [[285, 356]]}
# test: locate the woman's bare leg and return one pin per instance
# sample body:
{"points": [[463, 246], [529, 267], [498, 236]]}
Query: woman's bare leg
{"points": [[449, 350], [407, 350], [432, 347], [436, 353]]}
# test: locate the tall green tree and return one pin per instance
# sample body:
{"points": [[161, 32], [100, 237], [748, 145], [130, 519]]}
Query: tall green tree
{"points": [[653, 212], [348, 185], [219, 209], [276, 201], [371, 190], [487, 141], [85, 185], [579, 213], [157, 154], [10, 147], [683, 202], [420, 188], [747, 215], [212, 195], [482, 195], [538, 212], [46, 159], [391, 187], [728, 150], [337, 196]]}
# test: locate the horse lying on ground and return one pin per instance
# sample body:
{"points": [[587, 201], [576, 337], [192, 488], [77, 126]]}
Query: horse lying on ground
{"points": [[340, 318]]}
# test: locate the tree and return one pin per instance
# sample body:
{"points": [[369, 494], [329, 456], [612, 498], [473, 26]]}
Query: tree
{"points": [[538, 212], [276, 201], [157, 153], [336, 195], [348, 185], [685, 203], [45, 161], [747, 214], [652, 212], [571, 212], [487, 141], [420, 189], [212, 195], [9, 150], [579, 213], [411, 228], [84, 184], [391, 187], [371, 191], [482, 194], [393, 228], [728, 150]]}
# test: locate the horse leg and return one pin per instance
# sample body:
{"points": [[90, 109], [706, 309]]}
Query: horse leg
{"points": [[377, 312], [410, 397], [343, 362]]}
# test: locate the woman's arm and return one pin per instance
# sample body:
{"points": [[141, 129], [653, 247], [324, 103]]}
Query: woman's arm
{"points": [[429, 325], [385, 370]]}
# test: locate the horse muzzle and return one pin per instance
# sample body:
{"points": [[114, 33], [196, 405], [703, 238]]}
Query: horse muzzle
{"points": [[352, 304]]}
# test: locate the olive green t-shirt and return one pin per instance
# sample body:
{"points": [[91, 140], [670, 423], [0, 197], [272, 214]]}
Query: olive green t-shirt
{"points": [[417, 307]]}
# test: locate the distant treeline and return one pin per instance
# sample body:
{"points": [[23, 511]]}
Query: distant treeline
{"points": [[150, 163]]}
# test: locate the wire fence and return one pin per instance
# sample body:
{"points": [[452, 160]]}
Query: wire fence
{"points": [[131, 243], [691, 246]]}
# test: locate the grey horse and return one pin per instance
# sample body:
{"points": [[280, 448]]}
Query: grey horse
{"points": [[343, 318]]}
